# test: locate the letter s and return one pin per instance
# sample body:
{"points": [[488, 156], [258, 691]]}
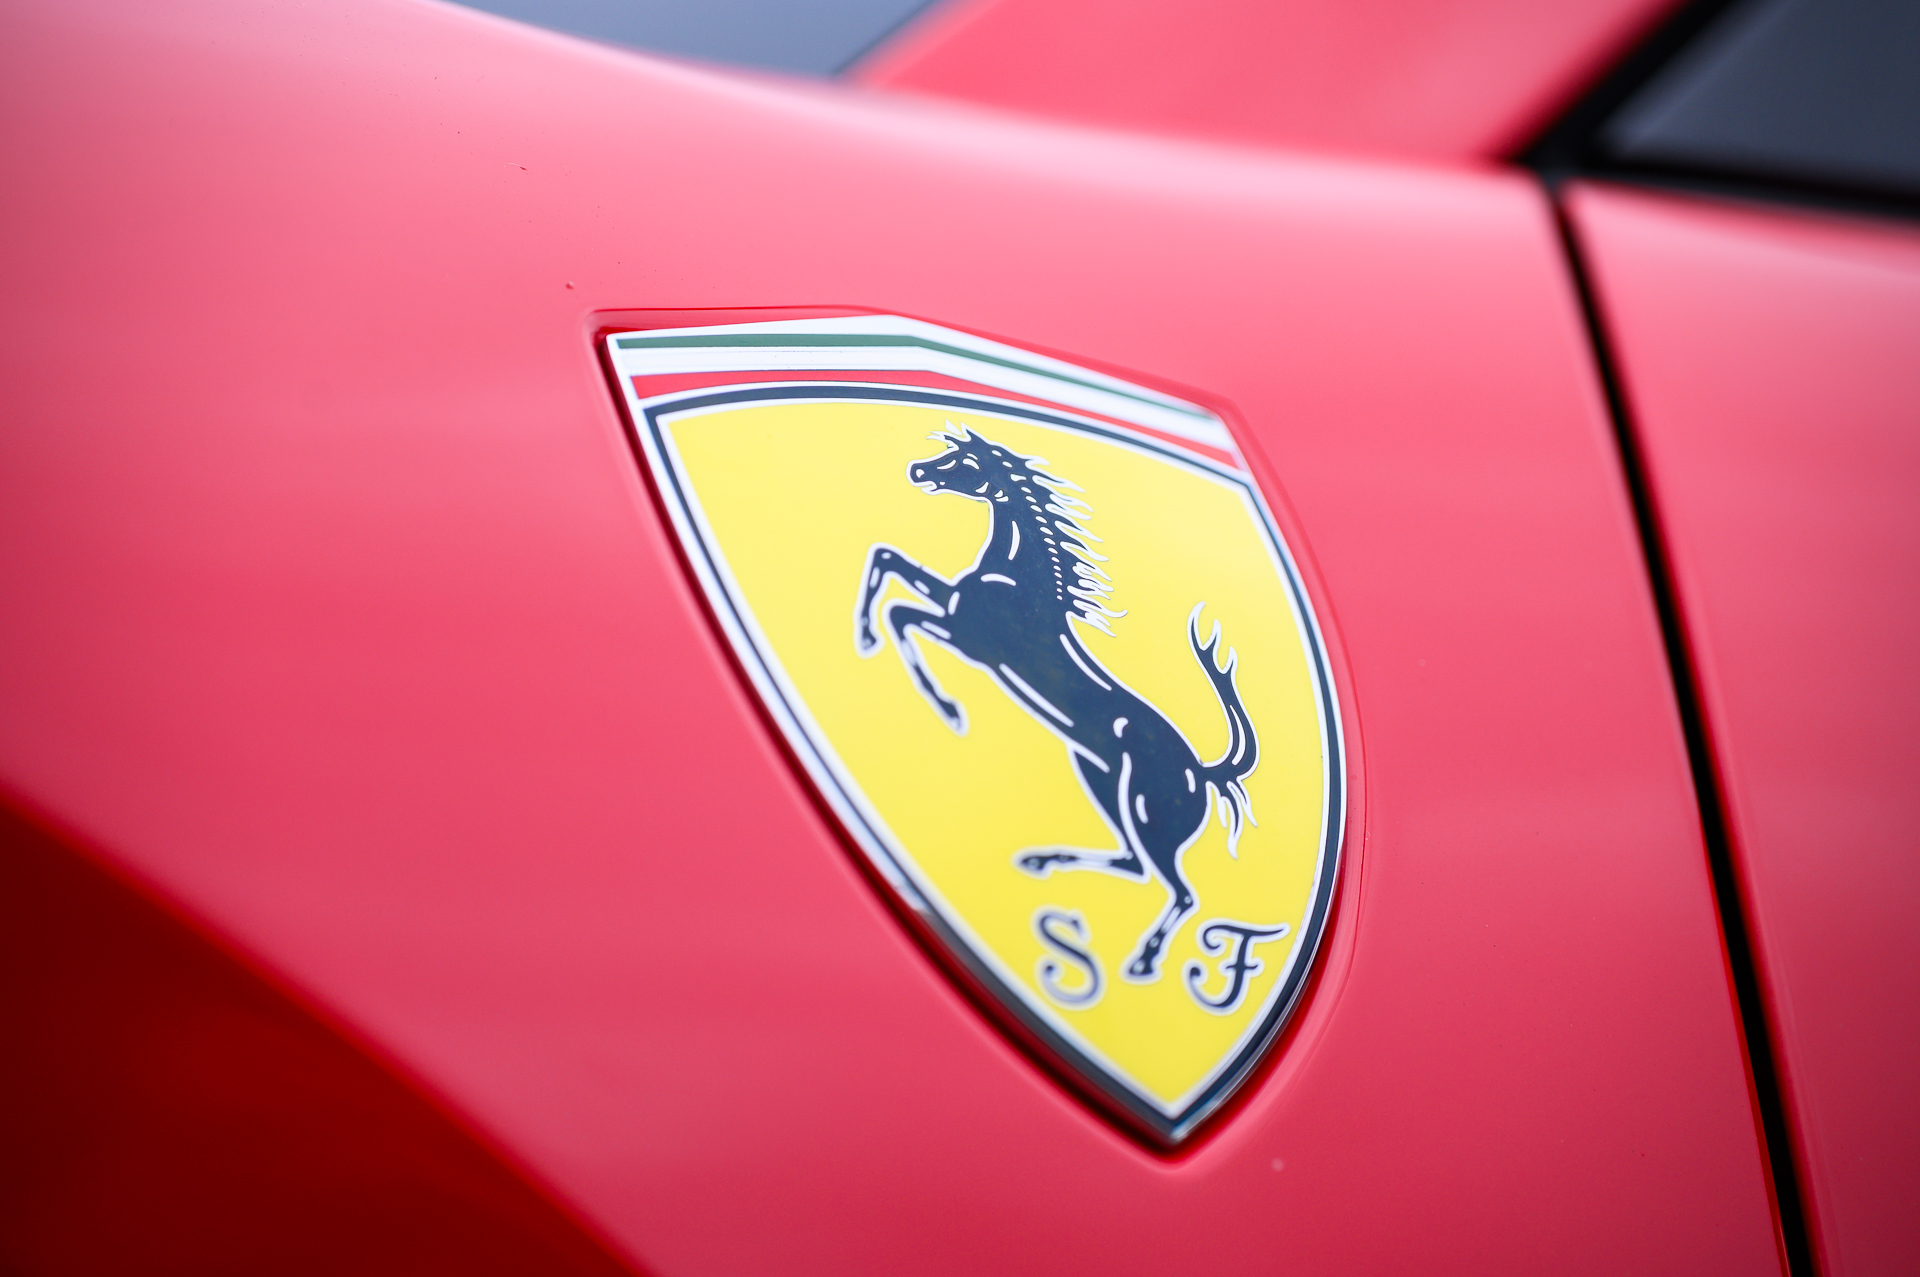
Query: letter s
{"points": [[1066, 934]]}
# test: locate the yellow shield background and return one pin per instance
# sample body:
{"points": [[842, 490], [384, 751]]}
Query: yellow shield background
{"points": [[787, 497]]}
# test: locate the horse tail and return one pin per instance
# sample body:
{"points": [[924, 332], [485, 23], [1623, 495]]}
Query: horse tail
{"points": [[1227, 772]]}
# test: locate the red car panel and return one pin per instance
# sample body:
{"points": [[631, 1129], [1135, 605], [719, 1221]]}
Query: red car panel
{"points": [[339, 616], [1771, 363], [1448, 79], [168, 1112]]}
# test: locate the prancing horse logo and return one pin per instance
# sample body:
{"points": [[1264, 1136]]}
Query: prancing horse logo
{"points": [[782, 448], [1009, 615]]}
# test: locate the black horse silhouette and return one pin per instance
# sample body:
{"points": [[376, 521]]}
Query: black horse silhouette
{"points": [[1008, 615]]}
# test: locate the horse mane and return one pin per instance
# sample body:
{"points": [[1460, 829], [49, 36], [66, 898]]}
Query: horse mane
{"points": [[1091, 588]]}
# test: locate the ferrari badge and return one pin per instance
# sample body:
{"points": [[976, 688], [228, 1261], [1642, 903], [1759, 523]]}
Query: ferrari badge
{"points": [[1035, 635]]}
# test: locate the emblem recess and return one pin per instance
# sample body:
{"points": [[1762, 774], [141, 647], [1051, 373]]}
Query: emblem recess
{"points": [[983, 594]]}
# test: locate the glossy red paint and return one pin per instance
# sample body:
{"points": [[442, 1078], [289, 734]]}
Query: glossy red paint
{"points": [[169, 1113], [337, 611], [1446, 79], [1771, 361]]}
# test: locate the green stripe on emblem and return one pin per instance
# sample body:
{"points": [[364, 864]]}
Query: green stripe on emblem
{"points": [[877, 339]]}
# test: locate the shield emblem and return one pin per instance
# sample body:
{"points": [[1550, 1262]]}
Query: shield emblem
{"points": [[1038, 642]]}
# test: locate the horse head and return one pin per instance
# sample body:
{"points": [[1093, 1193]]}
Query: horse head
{"points": [[973, 466]]}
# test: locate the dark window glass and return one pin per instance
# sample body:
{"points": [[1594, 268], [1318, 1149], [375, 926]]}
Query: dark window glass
{"points": [[811, 37], [1819, 91]]}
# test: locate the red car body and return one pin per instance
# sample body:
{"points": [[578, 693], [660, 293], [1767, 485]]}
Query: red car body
{"points": [[353, 686]]}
